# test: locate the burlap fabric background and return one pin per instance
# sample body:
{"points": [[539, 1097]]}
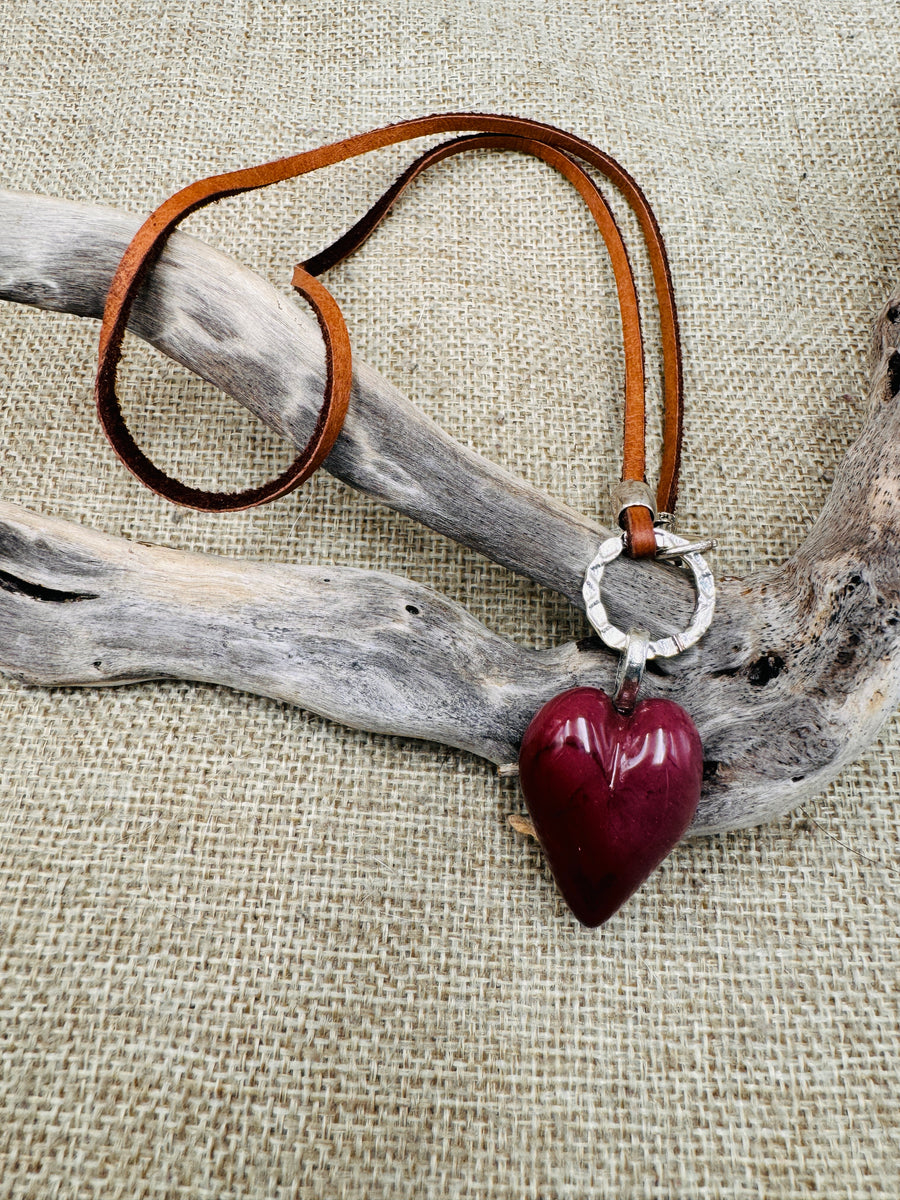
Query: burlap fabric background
{"points": [[248, 953]]}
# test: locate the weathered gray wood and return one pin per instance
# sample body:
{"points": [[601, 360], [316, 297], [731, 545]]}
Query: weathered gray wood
{"points": [[224, 323], [797, 674], [362, 647]]}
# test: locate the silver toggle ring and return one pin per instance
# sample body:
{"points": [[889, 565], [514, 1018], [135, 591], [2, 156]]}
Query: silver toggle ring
{"points": [[662, 647]]}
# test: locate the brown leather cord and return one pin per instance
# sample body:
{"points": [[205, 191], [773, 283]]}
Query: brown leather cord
{"points": [[606, 223], [338, 378], [638, 520], [554, 146]]}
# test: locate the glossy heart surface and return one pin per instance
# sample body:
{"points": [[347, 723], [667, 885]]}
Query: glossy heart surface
{"points": [[609, 794]]}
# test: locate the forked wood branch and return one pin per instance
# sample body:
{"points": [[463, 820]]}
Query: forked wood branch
{"points": [[796, 676]]}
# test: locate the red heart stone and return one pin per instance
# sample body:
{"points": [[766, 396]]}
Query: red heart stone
{"points": [[609, 794]]}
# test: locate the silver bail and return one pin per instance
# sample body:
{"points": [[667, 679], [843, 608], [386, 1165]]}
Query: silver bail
{"points": [[631, 670]]}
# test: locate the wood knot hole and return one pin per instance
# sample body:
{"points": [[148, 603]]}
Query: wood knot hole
{"points": [[894, 374], [766, 668]]}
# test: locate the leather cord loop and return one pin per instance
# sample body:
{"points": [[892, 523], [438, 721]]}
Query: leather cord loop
{"points": [[629, 311], [338, 373], [562, 150]]}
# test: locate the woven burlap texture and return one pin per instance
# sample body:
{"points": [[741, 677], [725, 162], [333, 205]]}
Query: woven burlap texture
{"points": [[245, 952]]}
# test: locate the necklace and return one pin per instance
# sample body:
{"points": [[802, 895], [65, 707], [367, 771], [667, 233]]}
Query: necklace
{"points": [[611, 782]]}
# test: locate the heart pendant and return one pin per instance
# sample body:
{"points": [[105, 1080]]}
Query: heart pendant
{"points": [[610, 794]]}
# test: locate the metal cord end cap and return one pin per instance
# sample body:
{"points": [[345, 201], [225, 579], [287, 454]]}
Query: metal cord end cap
{"points": [[631, 493]]}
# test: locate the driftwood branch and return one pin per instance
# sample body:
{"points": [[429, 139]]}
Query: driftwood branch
{"points": [[224, 323], [794, 679], [369, 649]]}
